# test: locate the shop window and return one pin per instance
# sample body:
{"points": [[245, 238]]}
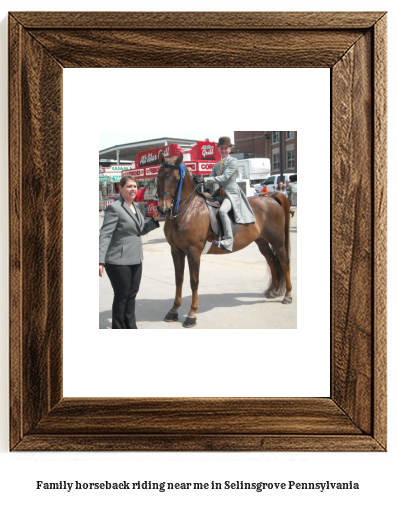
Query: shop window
{"points": [[276, 162], [291, 159]]}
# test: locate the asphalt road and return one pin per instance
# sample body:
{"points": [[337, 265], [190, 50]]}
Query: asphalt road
{"points": [[230, 291]]}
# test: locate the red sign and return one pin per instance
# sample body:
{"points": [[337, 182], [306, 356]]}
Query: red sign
{"points": [[191, 166], [151, 207], [205, 168], [135, 173], [205, 150], [199, 160], [208, 151], [151, 172], [151, 157]]}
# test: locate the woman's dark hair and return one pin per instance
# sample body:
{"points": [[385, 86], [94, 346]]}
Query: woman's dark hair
{"points": [[124, 180]]}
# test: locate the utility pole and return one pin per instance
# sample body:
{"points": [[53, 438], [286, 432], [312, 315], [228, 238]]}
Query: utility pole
{"points": [[281, 156]]}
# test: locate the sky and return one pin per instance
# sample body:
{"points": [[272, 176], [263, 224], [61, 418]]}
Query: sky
{"points": [[108, 139]]}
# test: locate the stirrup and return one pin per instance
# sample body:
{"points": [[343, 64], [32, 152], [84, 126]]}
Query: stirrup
{"points": [[218, 244]]}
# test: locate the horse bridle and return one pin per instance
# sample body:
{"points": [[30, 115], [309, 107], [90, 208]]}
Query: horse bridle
{"points": [[170, 166]]}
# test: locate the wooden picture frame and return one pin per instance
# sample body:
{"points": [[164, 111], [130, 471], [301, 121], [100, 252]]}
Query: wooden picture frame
{"points": [[353, 46]]}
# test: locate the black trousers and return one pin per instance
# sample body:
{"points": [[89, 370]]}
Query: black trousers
{"points": [[125, 281]]}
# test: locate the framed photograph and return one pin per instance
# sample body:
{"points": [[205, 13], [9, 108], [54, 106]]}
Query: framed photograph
{"points": [[353, 46]]}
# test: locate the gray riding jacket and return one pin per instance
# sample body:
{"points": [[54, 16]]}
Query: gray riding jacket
{"points": [[242, 210]]}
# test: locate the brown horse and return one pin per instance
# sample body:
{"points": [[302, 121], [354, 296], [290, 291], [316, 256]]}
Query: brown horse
{"points": [[188, 229]]}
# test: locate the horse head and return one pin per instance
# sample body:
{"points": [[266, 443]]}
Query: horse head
{"points": [[168, 180]]}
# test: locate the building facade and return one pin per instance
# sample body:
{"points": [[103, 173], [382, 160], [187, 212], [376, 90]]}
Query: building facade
{"points": [[279, 146]]}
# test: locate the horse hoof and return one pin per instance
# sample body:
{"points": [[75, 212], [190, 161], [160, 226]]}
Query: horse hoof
{"points": [[190, 322], [287, 300], [270, 294], [171, 317]]}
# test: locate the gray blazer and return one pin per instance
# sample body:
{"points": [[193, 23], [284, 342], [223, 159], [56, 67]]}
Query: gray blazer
{"points": [[242, 211], [120, 236]]}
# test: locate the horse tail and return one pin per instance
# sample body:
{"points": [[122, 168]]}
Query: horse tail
{"points": [[282, 199]]}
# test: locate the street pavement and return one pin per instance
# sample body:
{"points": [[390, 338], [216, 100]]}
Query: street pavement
{"points": [[230, 291]]}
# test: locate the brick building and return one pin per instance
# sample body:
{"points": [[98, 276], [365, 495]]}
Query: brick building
{"points": [[266, 144]]}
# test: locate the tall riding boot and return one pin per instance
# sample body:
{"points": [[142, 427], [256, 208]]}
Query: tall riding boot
{"points": [[227, 240]]}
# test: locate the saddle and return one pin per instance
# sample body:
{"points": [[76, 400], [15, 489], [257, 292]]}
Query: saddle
{"points": [[216, 223]]}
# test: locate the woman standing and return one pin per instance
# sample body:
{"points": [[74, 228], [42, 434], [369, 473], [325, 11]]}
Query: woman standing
{"points": [[231, 196], [120, 251], [281, 188]]}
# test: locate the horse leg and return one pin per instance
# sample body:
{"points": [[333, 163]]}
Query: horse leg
{"points": [[179, 266], [193, 258], [265, 250], [284, 262]]}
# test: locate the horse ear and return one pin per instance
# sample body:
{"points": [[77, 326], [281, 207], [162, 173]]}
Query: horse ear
{"points": [[179, 160], [161, 158]]}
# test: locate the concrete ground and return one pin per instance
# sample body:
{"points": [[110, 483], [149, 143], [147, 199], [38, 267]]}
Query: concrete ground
{"points": [[230, 291]]}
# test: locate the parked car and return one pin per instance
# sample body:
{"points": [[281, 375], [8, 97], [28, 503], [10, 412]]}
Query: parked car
{"points": [[258, 187], [271, 182]]}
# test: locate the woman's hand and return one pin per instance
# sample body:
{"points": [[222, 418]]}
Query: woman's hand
{"points": [[156, 216], [101, 270]]}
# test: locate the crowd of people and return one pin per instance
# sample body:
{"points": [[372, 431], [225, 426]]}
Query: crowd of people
{"points": [[286, 189]]}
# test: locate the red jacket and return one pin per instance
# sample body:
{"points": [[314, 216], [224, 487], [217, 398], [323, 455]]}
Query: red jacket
{"points": [[140, 195]]}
